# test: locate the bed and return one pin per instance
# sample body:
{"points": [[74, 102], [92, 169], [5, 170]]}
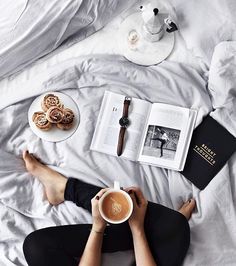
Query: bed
{"points": [[71, 46]]}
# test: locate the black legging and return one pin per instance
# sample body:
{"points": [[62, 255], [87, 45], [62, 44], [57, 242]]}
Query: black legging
{"points": [[167, 232]]}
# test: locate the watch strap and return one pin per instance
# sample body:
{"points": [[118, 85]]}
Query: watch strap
{"points": [[123, 129], [121, 141], [126, 108]]}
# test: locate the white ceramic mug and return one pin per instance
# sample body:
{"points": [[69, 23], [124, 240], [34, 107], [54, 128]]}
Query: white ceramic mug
{"points": [[116, 188]]}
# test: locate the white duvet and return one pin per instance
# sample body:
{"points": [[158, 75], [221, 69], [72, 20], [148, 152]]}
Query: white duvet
{"points": [[31, 29], [204, 24], [23, 208]]}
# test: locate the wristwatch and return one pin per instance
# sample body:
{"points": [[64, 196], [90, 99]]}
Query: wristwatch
{"points": [[124, 123]]}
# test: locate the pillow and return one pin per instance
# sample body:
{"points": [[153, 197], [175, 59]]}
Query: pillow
{"points": [[222, 85], [205, 23], [31, 29]]}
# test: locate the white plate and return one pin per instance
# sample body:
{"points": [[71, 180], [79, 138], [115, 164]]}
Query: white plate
{"points": [[147, 53], [54, 134]]}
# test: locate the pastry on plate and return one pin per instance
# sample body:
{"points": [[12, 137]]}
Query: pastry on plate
{"points": [[50, 100], [41, 122], [55, 114], [68, 119]]}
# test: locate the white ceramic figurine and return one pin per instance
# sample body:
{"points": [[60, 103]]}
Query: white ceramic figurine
{"points": [[155, 24]]}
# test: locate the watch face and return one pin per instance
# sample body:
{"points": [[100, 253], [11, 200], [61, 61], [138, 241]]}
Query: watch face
{"points": [[124, 121]]}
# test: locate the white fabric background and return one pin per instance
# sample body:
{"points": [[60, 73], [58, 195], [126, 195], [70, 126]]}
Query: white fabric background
{"points": [[22, 206], [204, 24], [87, 79], [31, 29]]}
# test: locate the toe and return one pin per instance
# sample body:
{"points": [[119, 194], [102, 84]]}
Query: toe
{"points": [[188, 208], [190, 205], [25, 154]]}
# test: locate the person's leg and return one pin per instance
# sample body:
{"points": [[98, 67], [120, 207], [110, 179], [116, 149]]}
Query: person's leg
{"points": [[63, 245], [80, 193], [54, 183], [168, 232], [162, 224], [161, 145], [57, 187], [54, 246], [163, 142]]}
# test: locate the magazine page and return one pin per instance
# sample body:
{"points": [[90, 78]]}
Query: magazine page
{"points": [[190, 127], [107, 130], [165, 136]]}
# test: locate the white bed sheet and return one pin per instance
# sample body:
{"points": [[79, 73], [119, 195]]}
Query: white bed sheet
{"points": [[88, 78], [31, 29], [102, 42], [23, 208], [214, 204]]}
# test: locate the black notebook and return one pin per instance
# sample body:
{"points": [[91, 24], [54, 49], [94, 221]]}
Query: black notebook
{"points": [[210, 148]]}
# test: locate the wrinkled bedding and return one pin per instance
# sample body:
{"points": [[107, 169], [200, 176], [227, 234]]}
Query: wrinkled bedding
{"points": [[31, 29], [23, 207], [204, 24], [86, 80]]}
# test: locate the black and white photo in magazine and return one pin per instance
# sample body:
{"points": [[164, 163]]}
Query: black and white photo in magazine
{"points": [[161, 142]]}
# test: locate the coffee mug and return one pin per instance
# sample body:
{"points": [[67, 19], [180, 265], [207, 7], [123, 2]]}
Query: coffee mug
{"points": [[115, 205]]}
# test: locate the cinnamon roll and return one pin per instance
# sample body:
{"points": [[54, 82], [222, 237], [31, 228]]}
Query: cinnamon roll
{"points": [[68, 119], [54, 114], [41, 122], [50, 100]]}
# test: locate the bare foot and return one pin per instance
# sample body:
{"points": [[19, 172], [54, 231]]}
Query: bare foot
{"points": [[53, 182], [188, 208]]}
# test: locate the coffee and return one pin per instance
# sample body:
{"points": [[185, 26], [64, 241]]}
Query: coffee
{"points": [[116, 206]]}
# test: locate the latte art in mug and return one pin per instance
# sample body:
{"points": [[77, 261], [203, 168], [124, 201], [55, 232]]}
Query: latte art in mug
{"points": [[116, 206]]}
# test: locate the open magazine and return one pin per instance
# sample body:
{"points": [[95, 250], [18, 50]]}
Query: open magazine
{"points": [[159, 134]]}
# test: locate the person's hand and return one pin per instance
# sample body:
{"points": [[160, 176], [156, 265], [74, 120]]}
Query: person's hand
{"points": [[136, 220], [99, 224]]}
